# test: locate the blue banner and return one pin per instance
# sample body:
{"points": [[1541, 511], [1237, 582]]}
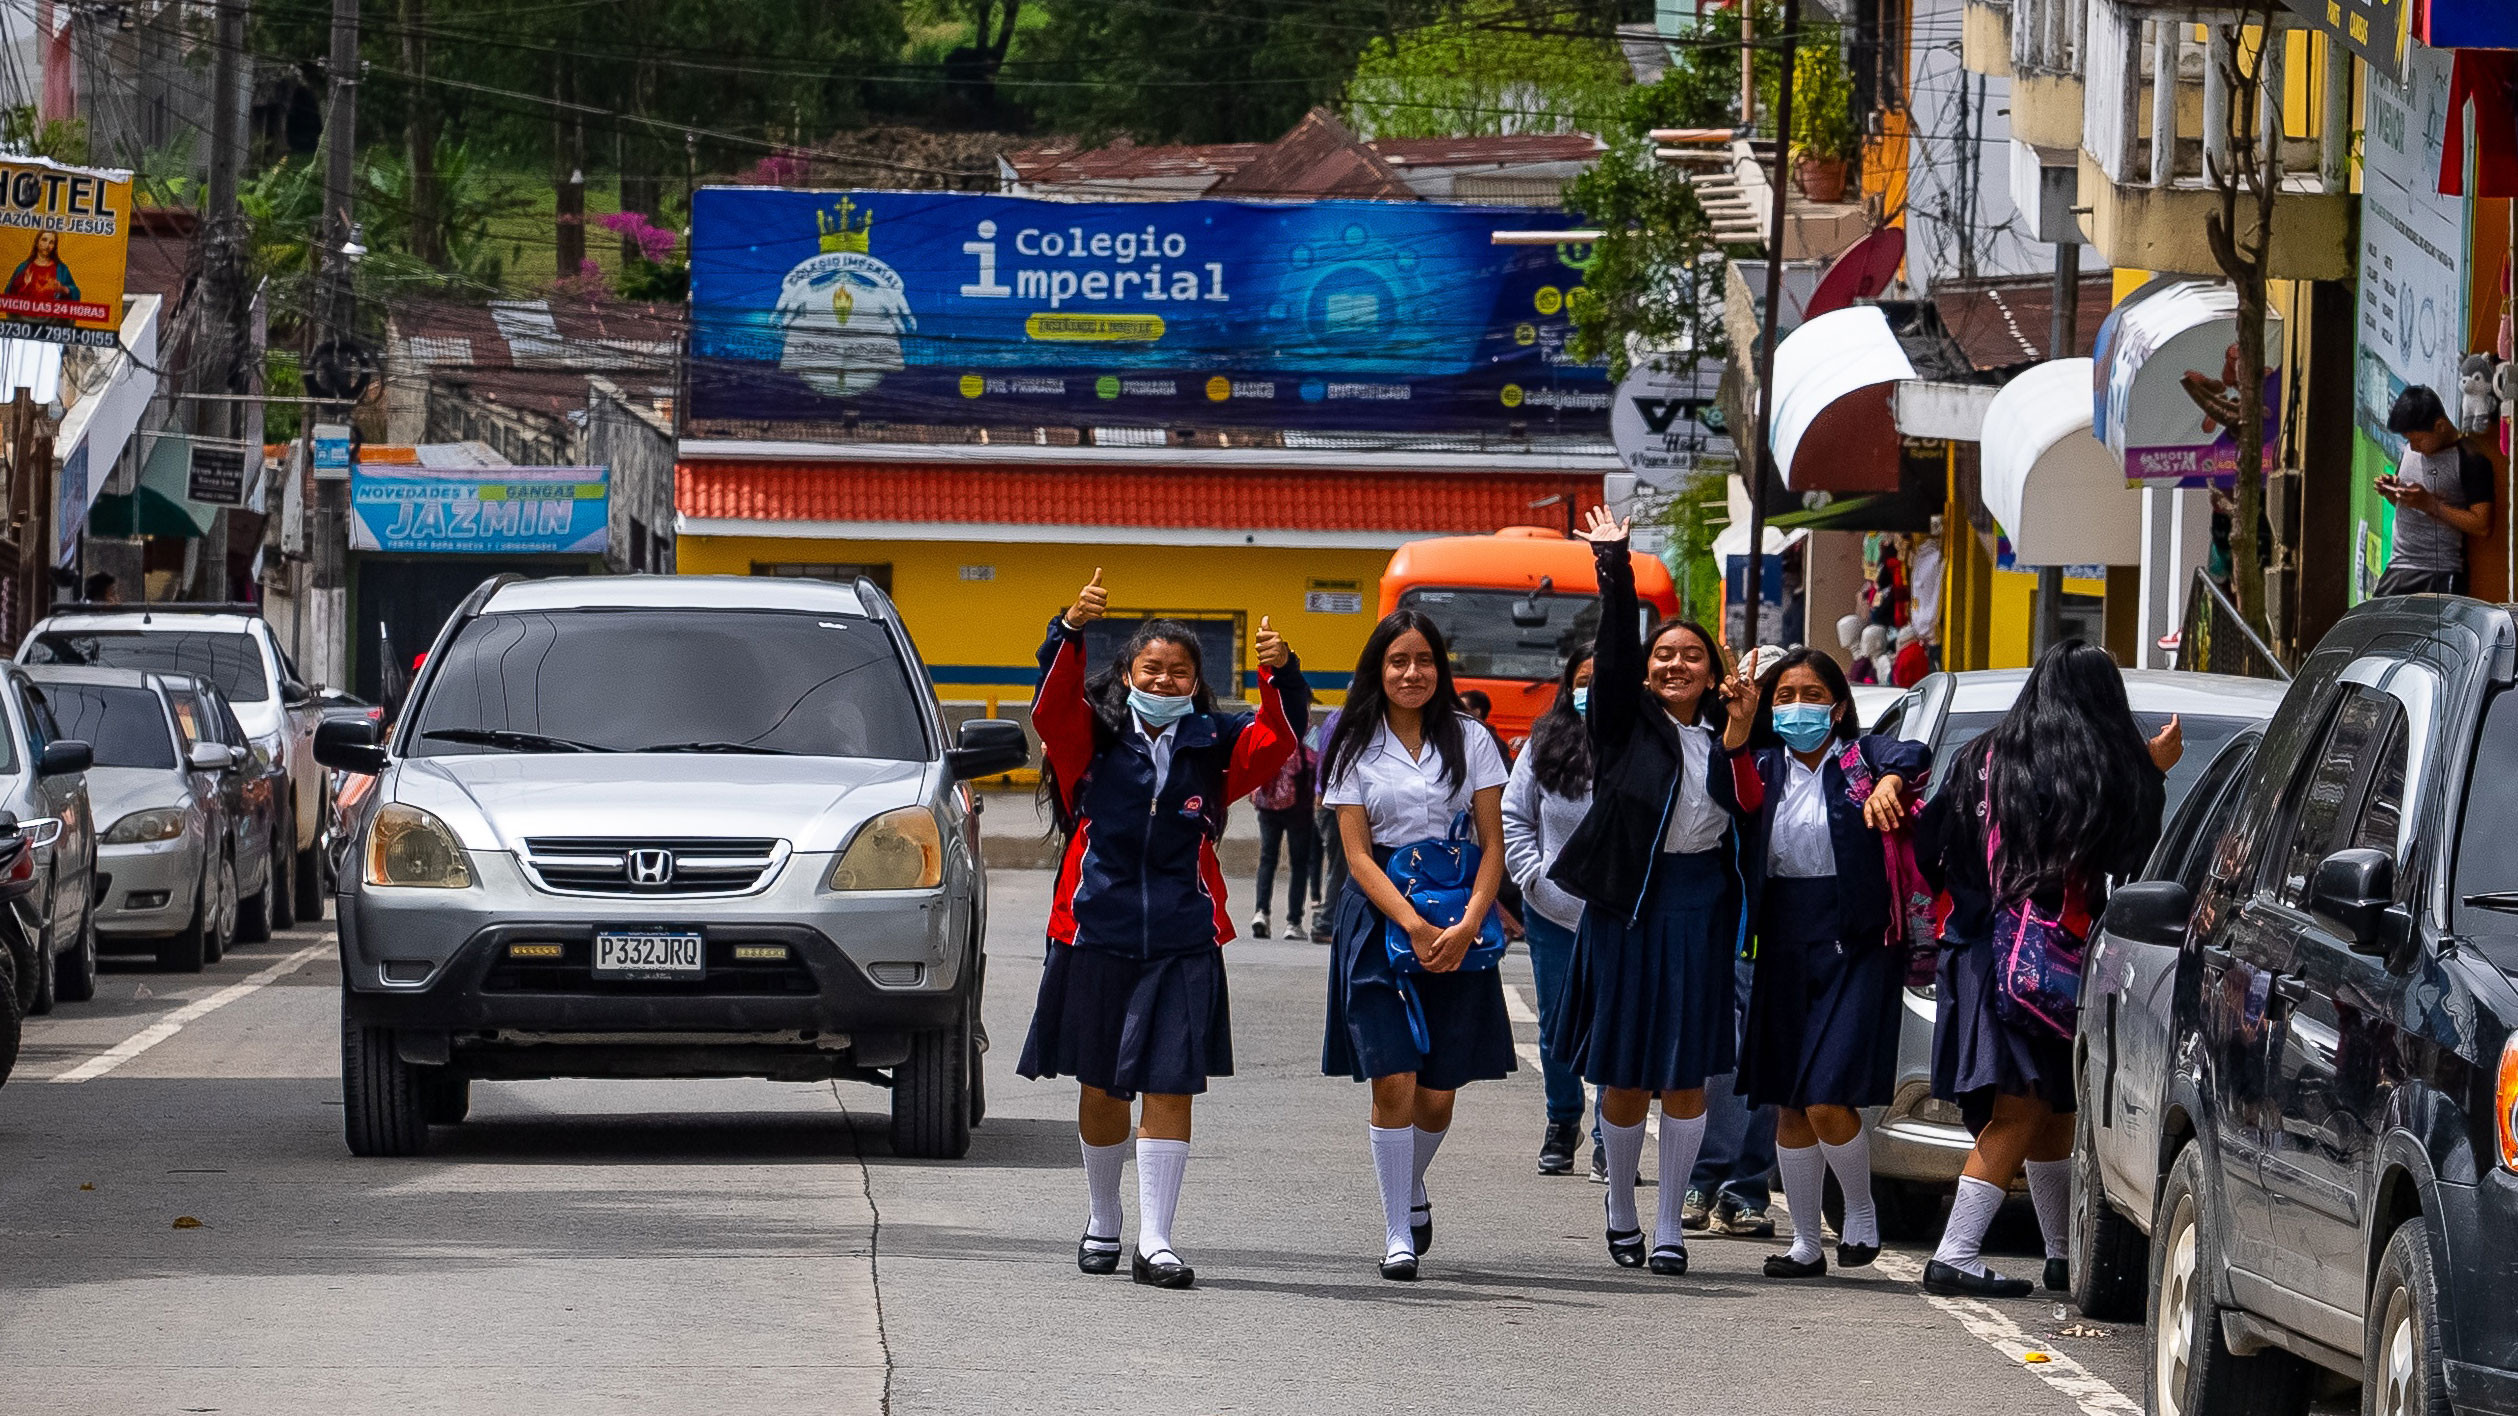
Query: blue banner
{"points": [[939, 307], [481, 510]]}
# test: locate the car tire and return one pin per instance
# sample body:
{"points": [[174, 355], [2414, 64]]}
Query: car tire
{"points": [[979, 1051], [2192, 1372], [76, 982], [188, 950], [307, 876], [12, 1017], [384, 1103], [931, 1093], [2111, 1261], [2401, 1374], [45, 989], [445, 1095], [222, 923], [253, 913], [1909, 1210], [282, 887]]}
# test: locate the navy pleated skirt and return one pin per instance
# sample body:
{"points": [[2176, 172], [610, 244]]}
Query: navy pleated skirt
{"points": [[1651, 1006], [1977, 1055], [1368, 1034], [1130, 1025], [1823, 1011]]}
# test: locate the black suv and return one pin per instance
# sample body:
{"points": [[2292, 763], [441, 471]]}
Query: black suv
{"points": [[2337, 1158]]}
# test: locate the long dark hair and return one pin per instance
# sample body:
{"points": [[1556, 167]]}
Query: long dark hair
{"points": [[1106, 691], [1831, 674], [2072, 782], [1560, 751], [1367, 704], [1709, 709]]}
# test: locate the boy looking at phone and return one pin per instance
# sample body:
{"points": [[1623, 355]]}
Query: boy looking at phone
{"points": [[2442, 493]]}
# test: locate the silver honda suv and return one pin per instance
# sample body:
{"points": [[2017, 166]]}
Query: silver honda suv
{"points": [[664, 826]]}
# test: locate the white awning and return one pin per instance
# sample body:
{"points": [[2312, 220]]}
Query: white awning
{"points": [[1734, 540], [2171, 354], [2058, 492], [96, 428], [1834, 428]]}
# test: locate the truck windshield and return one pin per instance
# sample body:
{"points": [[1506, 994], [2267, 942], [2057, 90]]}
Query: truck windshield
{"points": [[1478, 627], [670, 680], [231, 660]]}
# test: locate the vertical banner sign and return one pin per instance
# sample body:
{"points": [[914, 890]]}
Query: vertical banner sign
{"points": [[2413, 243], [64, 232]]}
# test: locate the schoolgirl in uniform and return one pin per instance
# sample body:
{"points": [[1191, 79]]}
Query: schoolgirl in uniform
{"points": [[2062, 794], [1138, 766], [1649, 1007], [1821, 1040], [1403, 763], [1543, 803]]}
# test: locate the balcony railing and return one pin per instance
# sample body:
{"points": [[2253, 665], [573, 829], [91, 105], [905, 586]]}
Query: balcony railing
{"points": [[2128, 50], [2048, 36]]}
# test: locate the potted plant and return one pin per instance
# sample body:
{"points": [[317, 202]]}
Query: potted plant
{"points": [[1824, 137]]}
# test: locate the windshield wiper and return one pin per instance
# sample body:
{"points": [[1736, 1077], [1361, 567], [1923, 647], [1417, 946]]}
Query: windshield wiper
{"points": [[512, 740], [2506, 900], [718, 747]]}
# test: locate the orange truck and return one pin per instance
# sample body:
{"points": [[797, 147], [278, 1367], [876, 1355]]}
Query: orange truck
{"points": [[1511, 606]]}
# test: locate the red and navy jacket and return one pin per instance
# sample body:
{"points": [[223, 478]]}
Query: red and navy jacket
{"points": [[1140, 874]]}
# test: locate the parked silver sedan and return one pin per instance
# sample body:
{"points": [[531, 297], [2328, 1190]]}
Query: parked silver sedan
{"points": [[1918, 1142], [166, 872]]}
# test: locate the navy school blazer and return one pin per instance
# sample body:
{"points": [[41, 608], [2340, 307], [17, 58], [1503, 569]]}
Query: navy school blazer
{"points": [[1865, 905]]}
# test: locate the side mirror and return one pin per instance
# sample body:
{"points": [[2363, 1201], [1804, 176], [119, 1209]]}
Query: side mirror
{"points": [[65, 758], [2153, 912], [988, 746], [349, 744], [2351, 893], [295, 694], [1527, 612], [211, 756]]}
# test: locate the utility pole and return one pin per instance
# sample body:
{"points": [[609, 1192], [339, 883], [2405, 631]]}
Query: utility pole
{"points": [[221, 340], [336, 319], [1762, 457]]}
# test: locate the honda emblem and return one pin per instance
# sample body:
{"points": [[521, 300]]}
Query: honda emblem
{"points": [[651, 867]]}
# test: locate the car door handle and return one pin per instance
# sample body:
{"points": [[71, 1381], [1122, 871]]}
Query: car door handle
{"points": [[2290, 988]]}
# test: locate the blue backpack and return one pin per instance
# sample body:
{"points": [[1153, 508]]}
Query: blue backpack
{"points": [[1438, 877]]}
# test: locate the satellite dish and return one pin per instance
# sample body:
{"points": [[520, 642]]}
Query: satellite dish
{"points": [[1861, 273]]}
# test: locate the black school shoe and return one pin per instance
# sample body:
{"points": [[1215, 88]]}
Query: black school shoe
{"points": [[1421, 1231], [1557, 1146], [1670, 1260], [1940, 1278], [1091, 1260], [2058, 1275], [1162, 1273], [1786, 1266], [1856, 1255], [1399, 1268]]}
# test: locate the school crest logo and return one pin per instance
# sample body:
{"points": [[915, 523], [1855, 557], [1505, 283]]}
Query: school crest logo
{"points": [[843, 311]]}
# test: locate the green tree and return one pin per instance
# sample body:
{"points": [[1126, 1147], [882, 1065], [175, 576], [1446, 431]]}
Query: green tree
{"points": [[1484, 70], [1654, 277], [1198, 71]]}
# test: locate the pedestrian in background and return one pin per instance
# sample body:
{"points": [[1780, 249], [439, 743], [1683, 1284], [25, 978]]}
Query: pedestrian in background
{"points": [[1543, 803], [1403, 766], [1138, 766], [1286, 829], [1912, 661], [1822, 1032], [1648, 1009], [2035, 815], [2442, 492]]}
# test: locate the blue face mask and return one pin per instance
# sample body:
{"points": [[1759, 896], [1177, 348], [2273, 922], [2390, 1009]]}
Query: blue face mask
{"points": [[1582, 701], [1804, 726], [1161, 710]]}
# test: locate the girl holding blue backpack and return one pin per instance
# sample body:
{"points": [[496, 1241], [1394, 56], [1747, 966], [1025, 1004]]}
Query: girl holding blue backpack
{"points": [[2032, 820], [1416, 1006], [1648, 1008], [1138, 766]]}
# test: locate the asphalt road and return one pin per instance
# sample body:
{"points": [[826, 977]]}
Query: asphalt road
{"points": [[669, 1247]]}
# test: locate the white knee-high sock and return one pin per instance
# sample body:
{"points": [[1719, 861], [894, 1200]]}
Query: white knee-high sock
{"points": [[1805, 1189], [1680, 1140], [2050, 1188], [1101, 1181], [1852, 1164], [1160, 1165], [1394, 1165], [1971, 1214], [1427, 1142], [1625, 1145]]}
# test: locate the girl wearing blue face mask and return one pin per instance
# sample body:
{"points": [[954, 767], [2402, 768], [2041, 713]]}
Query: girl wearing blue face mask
{"points": [[1543, 803], [1821, 1038], [1138, 765]]}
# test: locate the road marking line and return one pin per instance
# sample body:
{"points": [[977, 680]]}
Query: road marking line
{"points": [[173, 1023], [2095, 1395], [1517, 1007]]}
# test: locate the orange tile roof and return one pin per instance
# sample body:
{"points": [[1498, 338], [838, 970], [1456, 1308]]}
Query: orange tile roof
{"points": [[1426, 502]]}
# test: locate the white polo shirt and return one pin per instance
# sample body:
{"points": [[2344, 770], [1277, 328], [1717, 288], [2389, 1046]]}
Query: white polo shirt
{"points": [[1406, 797], [1801, 846], [1696, 821]]}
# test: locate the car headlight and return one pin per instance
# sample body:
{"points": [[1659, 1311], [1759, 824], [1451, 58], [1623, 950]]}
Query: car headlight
{"points": [[899, 850], [408, 846], [157, 823]]}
